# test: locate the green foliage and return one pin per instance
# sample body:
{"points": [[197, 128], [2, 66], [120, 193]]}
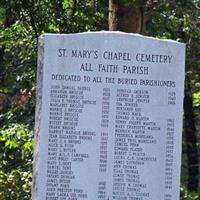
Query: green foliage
{"points": [[16, 136], [21, 23], [15, 185], [16, 148], [196, 94], [186, 195], [179, 20], [196, 97], [19, 57]]}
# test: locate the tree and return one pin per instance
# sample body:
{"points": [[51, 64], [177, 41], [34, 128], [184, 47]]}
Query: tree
{"points": [[21, 23], [133, 16], [179, 21], [119, 12]]}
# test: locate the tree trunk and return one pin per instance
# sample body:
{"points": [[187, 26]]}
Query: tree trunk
{"points": [[125, 18], [191, 139]]}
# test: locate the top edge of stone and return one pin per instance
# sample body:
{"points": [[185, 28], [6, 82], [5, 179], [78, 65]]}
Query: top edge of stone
{"points": [[111, 33]]}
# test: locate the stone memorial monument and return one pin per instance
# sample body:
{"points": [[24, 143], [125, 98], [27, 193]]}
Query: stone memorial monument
{"points": [[108, 117]]}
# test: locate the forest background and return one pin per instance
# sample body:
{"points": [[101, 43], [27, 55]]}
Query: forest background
{"points": [[21, 24]]}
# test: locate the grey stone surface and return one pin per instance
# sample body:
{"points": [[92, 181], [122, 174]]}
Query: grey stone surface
{"points": [[108, 117], [38, 117]]}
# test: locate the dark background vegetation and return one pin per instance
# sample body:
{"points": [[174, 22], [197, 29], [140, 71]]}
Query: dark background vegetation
{"points": [[23, 21]]}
